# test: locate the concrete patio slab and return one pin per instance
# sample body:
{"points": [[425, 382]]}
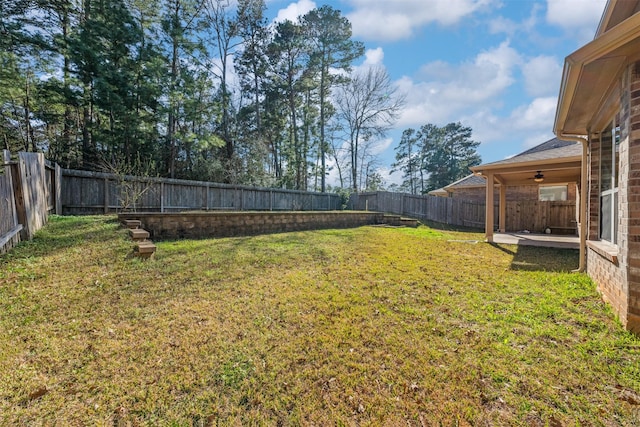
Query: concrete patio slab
{"points": [[541, 240]]}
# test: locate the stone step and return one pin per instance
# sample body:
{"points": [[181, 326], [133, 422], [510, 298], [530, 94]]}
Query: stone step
{"points": [[144, 249], [409, 222], [138, 234], [132, 223], [399, 221], [393, 220]]}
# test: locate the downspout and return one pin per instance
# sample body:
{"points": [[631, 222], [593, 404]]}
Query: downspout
{"points": [[583, 195]]}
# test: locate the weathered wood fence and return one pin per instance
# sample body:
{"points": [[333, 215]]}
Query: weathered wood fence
{"points": [[533, 216], [29, 191], [94, 192]]}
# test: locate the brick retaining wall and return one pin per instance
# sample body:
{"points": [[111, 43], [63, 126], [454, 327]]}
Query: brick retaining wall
{"points": [[227, 224]]}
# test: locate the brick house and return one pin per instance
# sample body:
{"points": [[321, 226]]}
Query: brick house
{"points": [[599, 106]]}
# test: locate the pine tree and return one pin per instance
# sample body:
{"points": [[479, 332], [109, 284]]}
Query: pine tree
{"points": [[408, 161], [331, 48], [448, 152]]}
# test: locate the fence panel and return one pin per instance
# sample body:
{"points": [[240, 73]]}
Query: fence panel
{"points": [[521, 215], [32, 184], [95, 192], [29, 191]]}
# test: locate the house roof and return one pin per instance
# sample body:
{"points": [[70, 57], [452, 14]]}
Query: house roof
{"points": [[438, 192], [469, 181], [590, 73], [558, 160], [551, 151]]}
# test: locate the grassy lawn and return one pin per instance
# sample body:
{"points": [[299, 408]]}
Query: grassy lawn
{"points": [[369, 326]]}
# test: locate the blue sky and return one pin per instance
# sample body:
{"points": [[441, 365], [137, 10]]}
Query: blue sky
{"points": [[493, 65]]}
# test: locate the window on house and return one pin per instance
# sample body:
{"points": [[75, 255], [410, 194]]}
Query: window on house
{"points": [[552, 193], [609, 167]]}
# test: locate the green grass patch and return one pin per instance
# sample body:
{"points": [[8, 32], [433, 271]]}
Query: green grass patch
{"points": [[367, 326]]}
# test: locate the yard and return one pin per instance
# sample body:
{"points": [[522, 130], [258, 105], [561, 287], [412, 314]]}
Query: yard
{"points": [[367, 326]]}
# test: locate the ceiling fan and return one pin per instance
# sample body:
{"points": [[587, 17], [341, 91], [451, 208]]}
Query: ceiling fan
{"points": [[538, 177]]}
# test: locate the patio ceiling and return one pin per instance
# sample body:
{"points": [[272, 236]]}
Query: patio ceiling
{"points": [[558, 165], [557, 173]]}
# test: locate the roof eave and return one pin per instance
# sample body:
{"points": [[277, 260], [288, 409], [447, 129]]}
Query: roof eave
{"points": [[530, 165], [537, 162], [606, 44]]}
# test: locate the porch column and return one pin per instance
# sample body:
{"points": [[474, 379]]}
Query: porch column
{"points": [[488, 223], [502, 218]]}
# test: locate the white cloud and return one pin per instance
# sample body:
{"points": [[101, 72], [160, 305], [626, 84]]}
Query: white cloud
{"points": [[380, 146], [446, 91], [389, 178], [374, 56], [503, 25], [486, 126], [507, 26], [526, 126], [399, 19], [576, 16], [542, 75], [295, 10], [538, 114]]}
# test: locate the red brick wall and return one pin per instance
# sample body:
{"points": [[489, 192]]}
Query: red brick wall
{"points": [[630, 197], [619, 283], [474, 194], [608, 277]]}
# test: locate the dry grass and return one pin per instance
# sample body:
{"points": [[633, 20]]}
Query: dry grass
{"points": [[371, 326]]}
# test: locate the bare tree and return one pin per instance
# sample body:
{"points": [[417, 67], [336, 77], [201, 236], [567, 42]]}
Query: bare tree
{"points": [[368, 106], [133, 179]]}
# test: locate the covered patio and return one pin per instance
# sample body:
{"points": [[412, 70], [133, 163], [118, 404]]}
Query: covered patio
{"points": [[555, 162]]}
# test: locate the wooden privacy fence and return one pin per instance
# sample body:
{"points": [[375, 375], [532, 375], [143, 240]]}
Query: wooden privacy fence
{"points": [[444, 210], [94, 192], [29, 190], [533, 216]]}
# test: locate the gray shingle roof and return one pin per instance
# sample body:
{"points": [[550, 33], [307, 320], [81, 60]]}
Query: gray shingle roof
{"points": [[551, 149], [468, 181]]}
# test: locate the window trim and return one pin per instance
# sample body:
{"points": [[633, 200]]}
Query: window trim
{"points": [[614, 127], [565, 185]]}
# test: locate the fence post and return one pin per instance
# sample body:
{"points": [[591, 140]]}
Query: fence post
{"points": [[57, 188], [6, 158], [106, 195], [270, 200], [162, 197], [206, 197]]}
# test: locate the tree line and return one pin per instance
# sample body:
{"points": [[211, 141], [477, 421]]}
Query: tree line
{"points": [[434, 156], [193, 89]]}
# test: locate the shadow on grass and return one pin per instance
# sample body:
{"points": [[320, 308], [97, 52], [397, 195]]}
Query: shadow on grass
{"points": [[534, 258], [64, 232], [448, 227]]}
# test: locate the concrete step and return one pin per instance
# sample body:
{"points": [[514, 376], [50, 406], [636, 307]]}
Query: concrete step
{"points": [[390, 219], [132, 223], [399, 221], [138, 234], [409, 222], [144, 249]]}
